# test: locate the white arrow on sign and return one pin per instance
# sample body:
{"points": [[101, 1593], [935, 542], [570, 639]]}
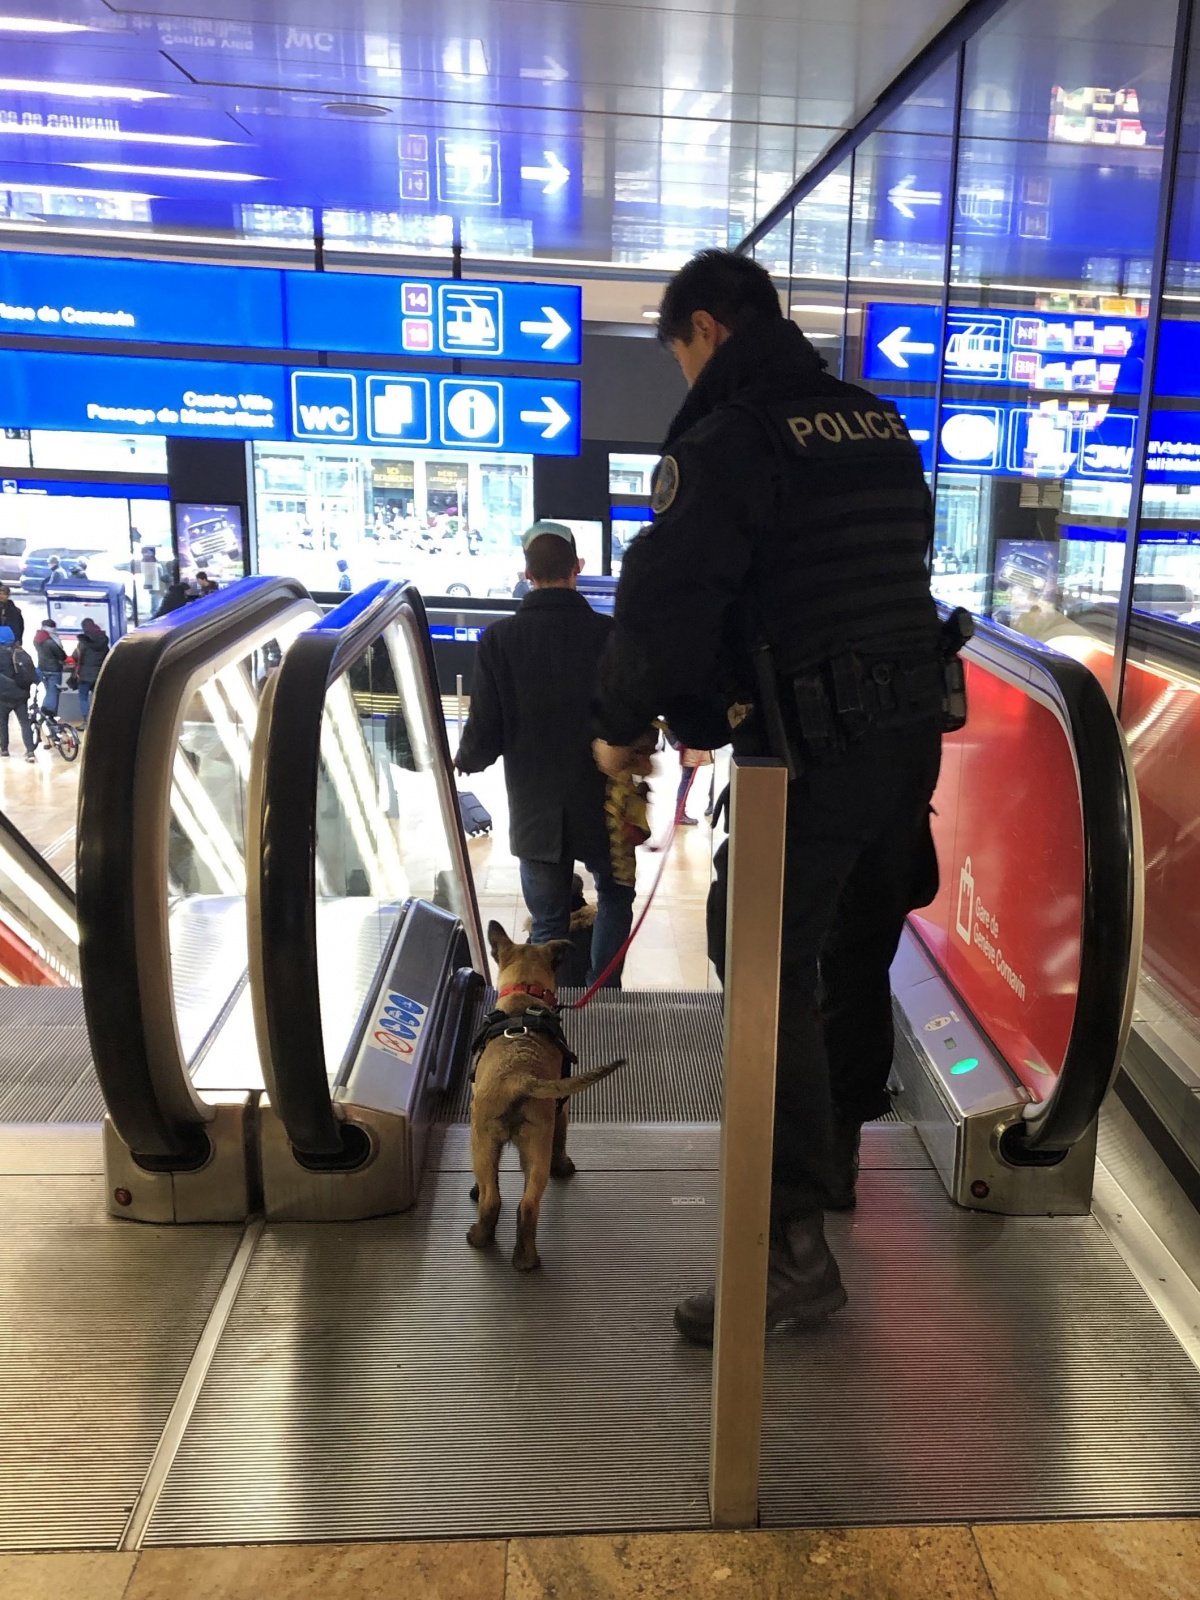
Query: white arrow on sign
{"points": [[904, 196], [554, 418], [552, 72], [897, 345], [552, 176], [556, 328]]}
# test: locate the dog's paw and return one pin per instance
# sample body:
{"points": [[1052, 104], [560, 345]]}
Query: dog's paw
{"points": [[475, 1191], [526, 1260], [562, 1167], [480, 1236]]}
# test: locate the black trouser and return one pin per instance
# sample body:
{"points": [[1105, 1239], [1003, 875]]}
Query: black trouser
{"points": [[20, 710], [859, 857]]}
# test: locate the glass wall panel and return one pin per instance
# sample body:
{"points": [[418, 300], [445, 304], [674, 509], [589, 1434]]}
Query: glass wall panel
{"points": [[820, 245], [1161, 690], [1054, 221], [899, 217]]}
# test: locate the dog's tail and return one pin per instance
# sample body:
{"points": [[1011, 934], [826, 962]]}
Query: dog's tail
{"points": [[558, 1088]]}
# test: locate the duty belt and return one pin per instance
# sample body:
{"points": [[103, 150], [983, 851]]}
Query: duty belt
{"points": [[850, 693]]}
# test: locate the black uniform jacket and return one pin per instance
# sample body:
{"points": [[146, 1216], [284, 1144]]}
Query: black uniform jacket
{"points": [[535, 676], [791, 508]]}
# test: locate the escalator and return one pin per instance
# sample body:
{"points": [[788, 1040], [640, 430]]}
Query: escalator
{"points": [[1021, 1353], [280, 1011]]}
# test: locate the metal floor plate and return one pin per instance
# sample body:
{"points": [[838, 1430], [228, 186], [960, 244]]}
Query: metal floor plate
{"points": [[385, 1381], [98, 1323]]}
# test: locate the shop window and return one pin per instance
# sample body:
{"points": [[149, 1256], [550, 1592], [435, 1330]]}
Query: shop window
{"points": [[337, 519]]}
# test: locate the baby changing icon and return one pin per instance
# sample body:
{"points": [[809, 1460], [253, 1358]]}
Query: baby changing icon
{"points": [[966, 902]]}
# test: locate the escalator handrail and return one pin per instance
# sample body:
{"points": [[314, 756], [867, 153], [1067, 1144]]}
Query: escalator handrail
{"points": [[1111, 926], [284, 971], [16, 844], [121, 887]]}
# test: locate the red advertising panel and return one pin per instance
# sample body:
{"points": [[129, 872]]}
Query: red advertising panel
{"points": [[1006, 927]]}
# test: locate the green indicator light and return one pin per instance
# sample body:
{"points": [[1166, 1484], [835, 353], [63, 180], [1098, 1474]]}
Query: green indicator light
{"points": [[968, 1064]]}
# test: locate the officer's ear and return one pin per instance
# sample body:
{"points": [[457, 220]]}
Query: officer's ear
{"points": [[578, 565]]}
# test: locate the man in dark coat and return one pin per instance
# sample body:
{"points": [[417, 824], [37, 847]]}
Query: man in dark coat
{"points": [[11, 615], [531, 703]]}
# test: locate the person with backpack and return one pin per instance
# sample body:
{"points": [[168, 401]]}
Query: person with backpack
{"points": [[11, 615], [51, 660], [90, 650], [17, 677]]}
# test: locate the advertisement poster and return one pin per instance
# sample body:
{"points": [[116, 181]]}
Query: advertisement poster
{"points": [[210, 540], [1006, 925]]}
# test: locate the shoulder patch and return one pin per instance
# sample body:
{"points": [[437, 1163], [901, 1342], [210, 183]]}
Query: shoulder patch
{"points": [[666, 485]]}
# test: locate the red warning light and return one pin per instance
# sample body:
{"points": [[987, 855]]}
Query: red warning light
{"points": [[980, 1189], [122, 1197]]}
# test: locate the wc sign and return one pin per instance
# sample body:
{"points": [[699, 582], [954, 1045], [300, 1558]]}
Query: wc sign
{"points": [[324, 405]]}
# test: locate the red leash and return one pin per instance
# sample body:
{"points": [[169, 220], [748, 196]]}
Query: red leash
{"points": [[665, 847]]}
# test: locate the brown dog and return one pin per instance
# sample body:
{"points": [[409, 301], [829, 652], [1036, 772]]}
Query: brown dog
{"points": [[517, 1081]]}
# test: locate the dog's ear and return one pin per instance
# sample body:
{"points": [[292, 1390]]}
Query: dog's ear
{"points": [[556, 950], [500, 943]]}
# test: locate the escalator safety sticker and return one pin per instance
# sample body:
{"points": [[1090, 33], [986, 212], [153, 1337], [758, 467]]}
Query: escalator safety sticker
{"points": [[399, 1023]]}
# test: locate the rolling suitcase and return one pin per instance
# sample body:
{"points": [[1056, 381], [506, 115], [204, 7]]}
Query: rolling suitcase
{"points": [[476, 818]]}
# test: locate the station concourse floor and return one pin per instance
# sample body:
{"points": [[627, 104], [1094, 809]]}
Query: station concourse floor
{"points": [[1134, 1560], [1129, 1559]]}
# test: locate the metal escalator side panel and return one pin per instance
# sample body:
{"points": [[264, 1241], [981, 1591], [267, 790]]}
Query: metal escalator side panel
{"points": [[122, 858], [1079, 741]]}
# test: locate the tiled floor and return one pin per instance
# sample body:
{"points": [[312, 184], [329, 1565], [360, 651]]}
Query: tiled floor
{"points": [[40, 800], [670, 950], [1040, 1561]]}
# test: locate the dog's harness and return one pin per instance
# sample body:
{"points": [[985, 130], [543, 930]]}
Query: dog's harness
{"points": [[540, 1020]]}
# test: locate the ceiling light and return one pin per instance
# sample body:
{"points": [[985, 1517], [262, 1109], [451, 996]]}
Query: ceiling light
{"points": [[650, 313], [81, 91], [39, 25], [354, 108], [167, 172], [192, 141]]}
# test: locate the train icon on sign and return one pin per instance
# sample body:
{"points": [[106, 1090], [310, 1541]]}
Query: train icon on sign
{"points": [[471, 320]]}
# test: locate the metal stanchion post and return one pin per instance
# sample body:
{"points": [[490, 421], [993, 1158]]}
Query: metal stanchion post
{"points": [[458, 691], [758, 809]]}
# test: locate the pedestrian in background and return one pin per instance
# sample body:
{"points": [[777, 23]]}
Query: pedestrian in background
{"points": [[17, 677], [51, 660], [90, 651], [11, 615]]}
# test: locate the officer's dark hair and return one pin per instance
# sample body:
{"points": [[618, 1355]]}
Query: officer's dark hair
{"points": [[733, 289], [549, 559]]}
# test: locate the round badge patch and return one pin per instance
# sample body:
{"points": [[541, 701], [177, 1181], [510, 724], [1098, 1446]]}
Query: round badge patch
{"points": [[666, 485]]}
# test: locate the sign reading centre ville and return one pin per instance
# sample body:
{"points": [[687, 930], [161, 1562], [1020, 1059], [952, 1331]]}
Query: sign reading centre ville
{"points": [[1006, 926]]}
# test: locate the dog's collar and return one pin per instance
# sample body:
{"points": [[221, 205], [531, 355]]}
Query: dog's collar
{"points": [[537, 990]]}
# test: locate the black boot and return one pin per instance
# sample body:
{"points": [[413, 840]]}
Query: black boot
{"points": [[843, 1166], [804, 1286]]}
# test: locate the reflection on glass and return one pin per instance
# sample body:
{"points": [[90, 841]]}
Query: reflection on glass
{"points": [[207, 842], [382, 836]]}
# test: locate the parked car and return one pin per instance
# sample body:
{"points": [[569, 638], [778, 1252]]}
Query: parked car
{"points": [[12, 552]]}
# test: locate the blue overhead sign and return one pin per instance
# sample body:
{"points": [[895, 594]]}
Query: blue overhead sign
{"points": [[186, 399], [156, 302], [1083, 353], [372, 314], [527, 416], [167, 302]]}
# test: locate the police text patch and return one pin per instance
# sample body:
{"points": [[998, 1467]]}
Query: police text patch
{"points": [[666, 485], [846, 426]]}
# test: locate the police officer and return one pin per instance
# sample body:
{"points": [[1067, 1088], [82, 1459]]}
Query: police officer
{"points": [[781, 598]]}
